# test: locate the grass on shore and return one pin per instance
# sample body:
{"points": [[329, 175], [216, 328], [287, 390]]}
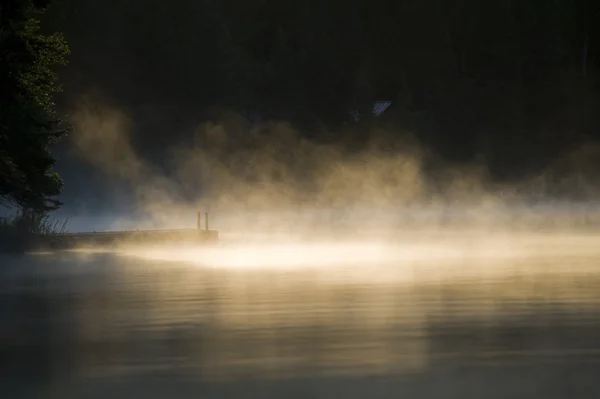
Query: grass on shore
{"points": [[32, 223], [21, 230]]}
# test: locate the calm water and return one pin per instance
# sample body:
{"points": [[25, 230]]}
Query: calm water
{"points": [[107, 325]]}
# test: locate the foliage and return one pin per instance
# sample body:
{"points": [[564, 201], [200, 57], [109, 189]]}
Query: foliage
{"points": [[32, 223], [21, 232], [28, 124]]}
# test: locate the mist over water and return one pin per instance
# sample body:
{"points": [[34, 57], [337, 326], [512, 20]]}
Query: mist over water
{"points": [[446, 246], [421, 314], [339, 272], [267, 178]]}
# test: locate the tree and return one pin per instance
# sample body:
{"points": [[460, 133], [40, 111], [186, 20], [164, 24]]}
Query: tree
{"points": [[28, 124]]}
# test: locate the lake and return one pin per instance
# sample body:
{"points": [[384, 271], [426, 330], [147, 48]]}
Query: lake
{"points": [[469, 316]]}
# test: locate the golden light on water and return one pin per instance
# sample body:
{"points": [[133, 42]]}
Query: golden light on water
{"points": [[407, 258], [278, 306], [292, 255]]}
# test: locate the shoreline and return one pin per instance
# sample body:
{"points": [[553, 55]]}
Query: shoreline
{"points": [[63, 241]]}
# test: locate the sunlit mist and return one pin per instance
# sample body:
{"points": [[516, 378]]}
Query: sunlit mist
{"points": [[408, 258]]}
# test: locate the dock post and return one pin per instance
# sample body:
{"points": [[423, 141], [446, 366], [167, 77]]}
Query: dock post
{"points": [[199, 221], [206, 220]]}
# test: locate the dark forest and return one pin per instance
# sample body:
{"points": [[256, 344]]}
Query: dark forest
{"points": [[512, 84]]}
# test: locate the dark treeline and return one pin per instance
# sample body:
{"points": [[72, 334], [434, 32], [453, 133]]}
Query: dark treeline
{"points": [[513, 82], [28, 123]]}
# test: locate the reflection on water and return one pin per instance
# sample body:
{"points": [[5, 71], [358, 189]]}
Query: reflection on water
{"points": [[100, 324]]}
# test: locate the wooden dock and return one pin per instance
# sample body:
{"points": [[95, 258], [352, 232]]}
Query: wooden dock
{"points": [[110, 238], [129, 237]]}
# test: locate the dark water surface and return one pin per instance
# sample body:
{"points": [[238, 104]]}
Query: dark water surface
{"points": [[107, 326]]}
